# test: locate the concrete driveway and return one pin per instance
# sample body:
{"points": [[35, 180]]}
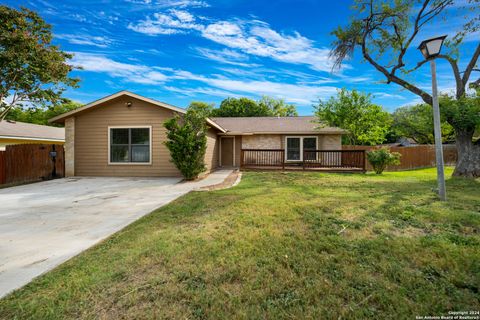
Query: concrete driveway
{"points": [[44, 224]]}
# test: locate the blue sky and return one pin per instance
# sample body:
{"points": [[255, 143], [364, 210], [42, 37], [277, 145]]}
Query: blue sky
{"points": [[178, 51]]}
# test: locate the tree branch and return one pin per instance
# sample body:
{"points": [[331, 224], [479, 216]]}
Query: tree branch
{"points": [[456, 72], [471, 65], [391, 77]]}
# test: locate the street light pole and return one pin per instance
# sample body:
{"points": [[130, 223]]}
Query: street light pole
{"points": [[430, 49], [442, 193]]}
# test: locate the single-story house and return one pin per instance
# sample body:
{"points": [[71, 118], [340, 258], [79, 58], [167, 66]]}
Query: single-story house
{"points": [[123, 135], [15, 132]]}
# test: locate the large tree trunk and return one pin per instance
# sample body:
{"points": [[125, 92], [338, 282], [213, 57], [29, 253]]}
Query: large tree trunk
{"points": [[468, 162]]}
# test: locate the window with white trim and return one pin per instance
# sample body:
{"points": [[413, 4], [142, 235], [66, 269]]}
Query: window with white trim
{"points": [[295, 146], [130, 145]]}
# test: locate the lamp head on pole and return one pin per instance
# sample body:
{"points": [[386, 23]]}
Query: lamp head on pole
{"points": [[430, 48]]}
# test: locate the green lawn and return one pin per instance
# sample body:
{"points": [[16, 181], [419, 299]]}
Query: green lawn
{"points": [[280, 245]]}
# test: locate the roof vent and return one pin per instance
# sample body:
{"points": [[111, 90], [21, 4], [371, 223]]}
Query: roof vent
{"points": [[11, 121]]}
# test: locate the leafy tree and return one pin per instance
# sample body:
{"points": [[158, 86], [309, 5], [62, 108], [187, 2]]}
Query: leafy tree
{"points": [[278, 107], [32, 70], [464, 115], [354, 111], [416, 122], [241, 107], [245, 107], [41, 115], [187, 142], [202, 107], [381, 158], [384, 31]]}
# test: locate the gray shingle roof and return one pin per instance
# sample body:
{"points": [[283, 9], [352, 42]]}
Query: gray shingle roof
{"points": [[270, 125], [30, 131]]}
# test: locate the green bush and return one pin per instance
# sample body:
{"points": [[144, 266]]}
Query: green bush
{"points": [[187, 142], [381, 158]]}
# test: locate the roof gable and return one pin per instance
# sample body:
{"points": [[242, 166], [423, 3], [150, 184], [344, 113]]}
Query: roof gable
{"points": [[61, 118]]}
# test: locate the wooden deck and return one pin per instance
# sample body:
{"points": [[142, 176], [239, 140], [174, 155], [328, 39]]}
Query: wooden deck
{"points": [[312, 160], [297, 168]]}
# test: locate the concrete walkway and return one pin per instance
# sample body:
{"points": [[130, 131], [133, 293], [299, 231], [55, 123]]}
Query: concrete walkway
{"points": [[46, 223]]}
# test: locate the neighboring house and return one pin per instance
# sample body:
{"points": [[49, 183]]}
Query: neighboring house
{"points": [[123, 135], [14, 132]]}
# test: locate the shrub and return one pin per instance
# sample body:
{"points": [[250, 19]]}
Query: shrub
{"points": [[381, 158], [187, 142]]}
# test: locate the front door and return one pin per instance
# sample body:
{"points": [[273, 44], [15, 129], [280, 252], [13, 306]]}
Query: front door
{"points": [[226, 154]]}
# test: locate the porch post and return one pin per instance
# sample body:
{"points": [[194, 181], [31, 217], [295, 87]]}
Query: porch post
{"points": [[241, 158], [303, 160]]}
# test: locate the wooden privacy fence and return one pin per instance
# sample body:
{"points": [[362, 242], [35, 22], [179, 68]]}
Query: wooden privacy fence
{"points": [[341, 160], [31, 162], [413, 157]]}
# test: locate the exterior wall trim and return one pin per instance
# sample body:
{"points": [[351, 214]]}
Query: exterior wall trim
{"points": [[281, 132], [32, 138]]}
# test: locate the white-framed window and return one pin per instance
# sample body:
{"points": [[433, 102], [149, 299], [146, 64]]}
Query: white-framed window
{"points": [[130, 145], [296, 145]]}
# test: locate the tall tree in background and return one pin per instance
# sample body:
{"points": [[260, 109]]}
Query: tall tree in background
{"points": [[241, 107], [385, 30], [278, 107], [32, 70], [416, 122], [204, 108], [367, 123], [41, 115], [245, 107]]}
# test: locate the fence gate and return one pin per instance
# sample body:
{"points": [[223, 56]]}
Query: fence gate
{"points": [[31, 162]]}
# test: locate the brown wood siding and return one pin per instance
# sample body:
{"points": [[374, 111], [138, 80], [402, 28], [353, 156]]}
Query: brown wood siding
{"points": [[211, 155], [91, 139]]}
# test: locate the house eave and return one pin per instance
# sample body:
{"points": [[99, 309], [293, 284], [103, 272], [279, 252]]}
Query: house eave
{"points": [[61, 118], [232, 133], [31, 138]]}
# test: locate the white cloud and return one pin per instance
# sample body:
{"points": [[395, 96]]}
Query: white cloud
{"points": [[297, 93], [172, 22], [97, 41], [183, 16], [217, 85], [383, 95], [251, 37], [226, 56], [193, 92], [78, 17], [290, 92], [171, 3], [130, 72]]}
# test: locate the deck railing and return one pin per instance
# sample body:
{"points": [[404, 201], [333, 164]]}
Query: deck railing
{"points": [[345, 159], [262, 158], [312, 159]]}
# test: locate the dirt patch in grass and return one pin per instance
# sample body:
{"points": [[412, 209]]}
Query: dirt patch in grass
{"points": [[227, 183]]}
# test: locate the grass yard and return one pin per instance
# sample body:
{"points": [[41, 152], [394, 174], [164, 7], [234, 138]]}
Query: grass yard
{"points": [[280, 245]]}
